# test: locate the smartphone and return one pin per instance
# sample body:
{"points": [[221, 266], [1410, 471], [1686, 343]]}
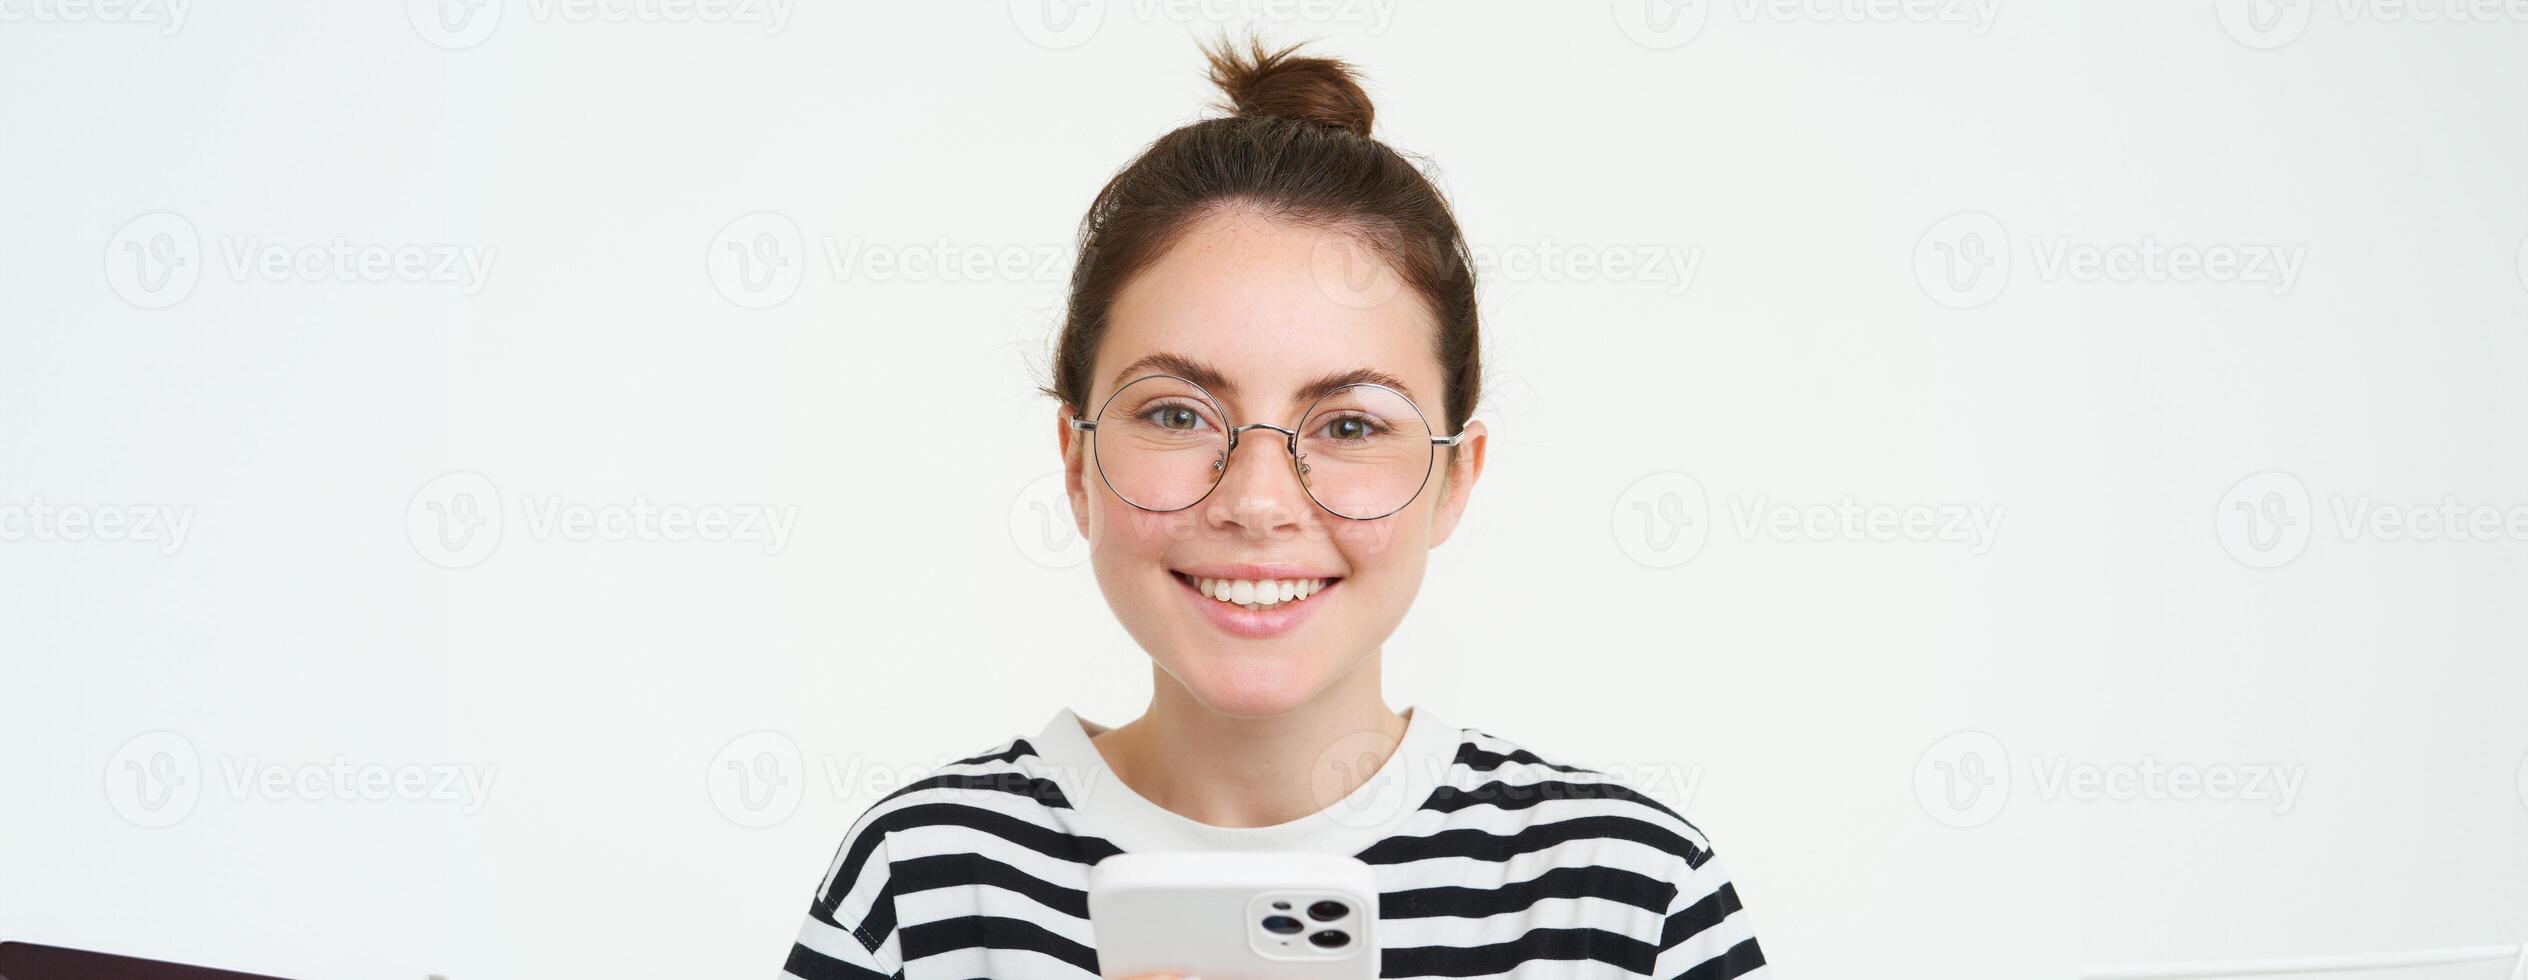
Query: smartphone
{"points": [[1234, 916]]}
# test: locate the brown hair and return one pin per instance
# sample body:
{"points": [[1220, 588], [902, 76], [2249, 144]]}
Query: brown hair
{"points": [[1297, 147]]}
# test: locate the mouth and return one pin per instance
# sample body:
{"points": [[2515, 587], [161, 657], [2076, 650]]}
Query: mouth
{"points": [[1255, 595], [1255, 608]]}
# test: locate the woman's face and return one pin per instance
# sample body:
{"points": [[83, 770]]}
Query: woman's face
{"points": [[1272, 308]]}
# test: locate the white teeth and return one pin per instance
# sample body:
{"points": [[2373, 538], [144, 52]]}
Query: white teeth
{"points": [[1259, 593]]}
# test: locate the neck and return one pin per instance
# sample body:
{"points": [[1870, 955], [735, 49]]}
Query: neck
{"points": [[1229, 771]]}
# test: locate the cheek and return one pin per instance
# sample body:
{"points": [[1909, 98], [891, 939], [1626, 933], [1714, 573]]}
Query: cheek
{"points": [[1122, 535], [1385, 546]]}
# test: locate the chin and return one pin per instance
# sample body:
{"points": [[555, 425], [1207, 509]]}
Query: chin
{"points": [[1250, 685]]}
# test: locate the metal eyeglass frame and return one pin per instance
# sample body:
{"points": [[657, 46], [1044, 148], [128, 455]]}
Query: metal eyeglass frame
{"points": [[1290, 445]]}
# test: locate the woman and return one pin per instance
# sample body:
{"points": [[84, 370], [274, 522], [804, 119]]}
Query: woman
{"points": [[1266, 382]]}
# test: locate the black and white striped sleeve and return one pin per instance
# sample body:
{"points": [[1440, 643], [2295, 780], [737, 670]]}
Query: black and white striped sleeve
{"points": [[850, 929], [1707, 937]]}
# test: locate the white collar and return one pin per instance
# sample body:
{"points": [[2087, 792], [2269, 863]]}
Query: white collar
{"points": [[1371, 813]]}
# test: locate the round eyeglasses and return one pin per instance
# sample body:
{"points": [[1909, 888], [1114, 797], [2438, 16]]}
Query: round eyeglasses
{"points": [[1362, 451]]}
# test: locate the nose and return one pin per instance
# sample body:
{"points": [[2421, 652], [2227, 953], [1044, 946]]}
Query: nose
{"points": [[1261, 496]]}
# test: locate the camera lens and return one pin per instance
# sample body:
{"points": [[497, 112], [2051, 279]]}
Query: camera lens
{"points": [[1328, 911], [1329, 938], [1282, 924]]}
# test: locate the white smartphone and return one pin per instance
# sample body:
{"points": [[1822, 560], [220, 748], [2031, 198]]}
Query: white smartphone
{"points": [[1234, 916]]}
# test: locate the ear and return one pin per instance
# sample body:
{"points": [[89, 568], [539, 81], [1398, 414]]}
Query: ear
{"points": [[1074, 446], [1465, 465]]}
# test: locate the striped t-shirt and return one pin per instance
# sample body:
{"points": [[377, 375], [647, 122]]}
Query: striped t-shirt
{"points": [[1491, 862]]}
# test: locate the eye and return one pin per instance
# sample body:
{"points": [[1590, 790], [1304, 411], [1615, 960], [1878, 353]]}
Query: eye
{"points": [[1178, 417], [1353, 428]]}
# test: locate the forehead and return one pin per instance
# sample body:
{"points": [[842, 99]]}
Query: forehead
{"points": [[1272, 305]]}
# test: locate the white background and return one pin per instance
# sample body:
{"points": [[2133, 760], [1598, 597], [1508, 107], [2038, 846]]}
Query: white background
{"points": [[1612, 600]]}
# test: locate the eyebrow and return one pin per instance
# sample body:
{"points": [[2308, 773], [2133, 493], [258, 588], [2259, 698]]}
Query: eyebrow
{"points": [[1217, 383]]}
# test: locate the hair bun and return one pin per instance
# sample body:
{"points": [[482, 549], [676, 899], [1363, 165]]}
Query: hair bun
{"points": [[1279, 83]]}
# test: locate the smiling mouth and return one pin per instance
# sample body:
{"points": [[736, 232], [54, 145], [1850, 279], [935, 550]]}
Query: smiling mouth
{"points": [[1256, 595]]}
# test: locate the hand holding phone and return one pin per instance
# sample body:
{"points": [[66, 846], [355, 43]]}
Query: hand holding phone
{"points": [[1234, 916]]}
